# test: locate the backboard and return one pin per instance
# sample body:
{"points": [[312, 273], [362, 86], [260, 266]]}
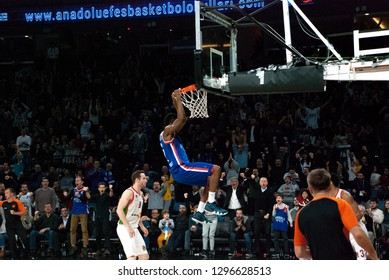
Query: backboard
{"points": [[220, 57], [213, 47], [217, 67]]}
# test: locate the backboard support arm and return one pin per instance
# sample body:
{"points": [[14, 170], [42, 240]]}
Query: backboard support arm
{"points": [[314, 29]]}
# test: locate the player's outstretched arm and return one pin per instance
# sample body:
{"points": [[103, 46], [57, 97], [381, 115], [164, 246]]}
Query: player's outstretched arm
{"points": [[180, 120]]}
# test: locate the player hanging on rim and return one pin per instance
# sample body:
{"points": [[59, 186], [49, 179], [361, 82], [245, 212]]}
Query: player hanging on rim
{"points": [[184, 171]]}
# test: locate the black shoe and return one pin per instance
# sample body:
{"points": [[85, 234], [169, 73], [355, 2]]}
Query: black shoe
{"points": [[34, 254], [165, 250], [84, 252], [275, 256], [185, 253], [211, 254], [203, 254], [99, 253], [72, 251]]}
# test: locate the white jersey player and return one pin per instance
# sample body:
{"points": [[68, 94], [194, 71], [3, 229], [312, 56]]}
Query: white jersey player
{"points": [[361, 253], [129, 211]]}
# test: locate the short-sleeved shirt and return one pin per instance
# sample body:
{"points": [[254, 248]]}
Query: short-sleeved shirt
{"points": [[321, 224], [312, 117], [17, 206]]}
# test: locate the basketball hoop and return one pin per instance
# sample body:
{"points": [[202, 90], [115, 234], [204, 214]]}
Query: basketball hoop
{"points": [[195, 100]]}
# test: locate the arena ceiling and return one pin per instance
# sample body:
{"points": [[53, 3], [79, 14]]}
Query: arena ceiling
{"points": [[331, 17]]}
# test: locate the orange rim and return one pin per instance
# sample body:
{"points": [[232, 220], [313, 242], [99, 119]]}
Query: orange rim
{"points": [[188, 88]]}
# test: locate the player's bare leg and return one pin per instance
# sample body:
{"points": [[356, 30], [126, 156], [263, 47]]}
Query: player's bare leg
{"points": [[214, 180], [207, 198], [199, 216], [143, 257]]}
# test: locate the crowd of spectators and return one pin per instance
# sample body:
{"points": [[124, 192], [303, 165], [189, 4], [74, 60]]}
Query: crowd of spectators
{"points": [[101, 124]]}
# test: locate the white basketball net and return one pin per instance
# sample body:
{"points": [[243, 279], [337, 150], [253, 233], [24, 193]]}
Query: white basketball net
{"points": [[196, 101]]}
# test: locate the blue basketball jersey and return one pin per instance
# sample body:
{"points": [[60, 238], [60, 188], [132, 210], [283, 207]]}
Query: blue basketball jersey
{"points": [[182, 170]]}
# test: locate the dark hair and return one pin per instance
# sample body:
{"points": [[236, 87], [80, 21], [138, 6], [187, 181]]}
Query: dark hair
{"points": [[319, 179], [386, 210], [335, 179], [136, 175], [169, 118], [374, 200], [78, 176], [304, 190], [11, 190]]}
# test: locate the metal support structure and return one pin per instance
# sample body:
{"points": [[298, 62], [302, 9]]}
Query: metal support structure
{"points": [[222, 20], [198, 25], [218, 17], [360, 68], [317, 32], [363, 70], [370, 34], [233, 50], [288, 36]]}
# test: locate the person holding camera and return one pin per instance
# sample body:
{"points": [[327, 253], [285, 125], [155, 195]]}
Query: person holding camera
{"points": [[79, 196]]}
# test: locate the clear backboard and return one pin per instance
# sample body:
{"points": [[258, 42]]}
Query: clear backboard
{"points": [[213, 47]]}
